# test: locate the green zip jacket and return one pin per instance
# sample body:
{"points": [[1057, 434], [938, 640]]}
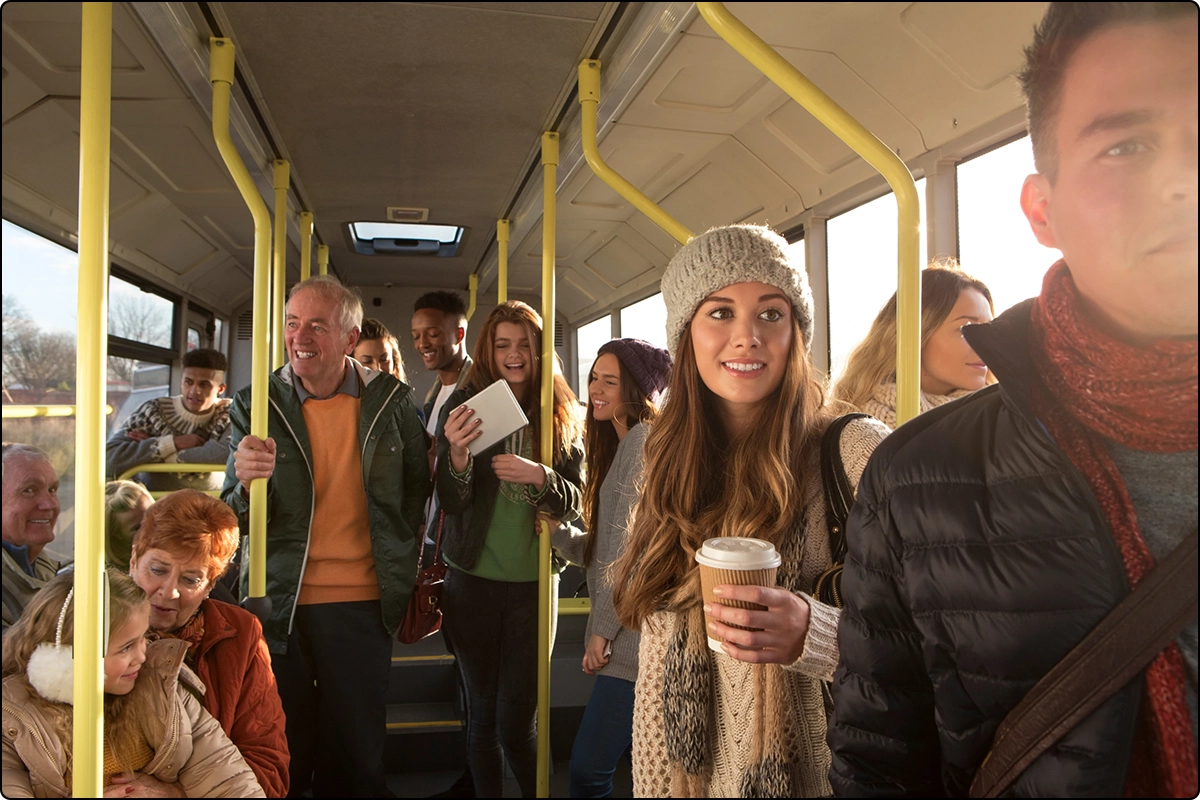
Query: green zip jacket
{"points": [[395, 476]]}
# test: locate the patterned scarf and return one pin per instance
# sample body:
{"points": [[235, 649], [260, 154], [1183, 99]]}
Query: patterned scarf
{"points": [[191, 632], [1095, 388]]}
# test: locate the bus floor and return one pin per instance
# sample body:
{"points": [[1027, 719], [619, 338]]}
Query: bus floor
{"points": [[430, 783]]}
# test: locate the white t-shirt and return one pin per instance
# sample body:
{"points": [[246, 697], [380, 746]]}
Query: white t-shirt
{"points": [[431, 428]]}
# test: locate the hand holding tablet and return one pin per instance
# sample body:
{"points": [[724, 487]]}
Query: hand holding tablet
{"points": [[485, 419]]}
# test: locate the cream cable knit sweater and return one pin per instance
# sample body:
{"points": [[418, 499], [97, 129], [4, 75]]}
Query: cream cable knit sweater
{"points": [[805, 557], [882, 405]]}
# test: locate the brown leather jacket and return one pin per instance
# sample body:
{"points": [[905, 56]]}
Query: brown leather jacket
{"points": [[190, 747]]}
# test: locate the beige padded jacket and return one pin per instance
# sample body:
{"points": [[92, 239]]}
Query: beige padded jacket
{"points": [[190, 747], [804, 559]]}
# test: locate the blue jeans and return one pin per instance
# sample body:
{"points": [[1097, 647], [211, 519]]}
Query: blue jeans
{"points": [[605, 734]]}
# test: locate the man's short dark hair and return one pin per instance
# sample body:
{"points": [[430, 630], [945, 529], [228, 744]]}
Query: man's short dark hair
{"points": [[446, 302], [1062, 30], [204, 358]]}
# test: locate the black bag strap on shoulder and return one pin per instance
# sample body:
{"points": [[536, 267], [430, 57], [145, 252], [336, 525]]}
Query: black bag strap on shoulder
{"points": [[839, 496]]}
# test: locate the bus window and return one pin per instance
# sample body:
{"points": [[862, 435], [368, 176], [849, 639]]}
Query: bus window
{"points": [[587, 343], [138, 315], [994, 240], [40, 306], [645, 319], [862, 271], [193, 339]]}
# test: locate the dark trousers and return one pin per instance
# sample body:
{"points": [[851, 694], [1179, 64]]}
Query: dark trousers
{"points": [[605, 734], [333, 683], [493, 627]]}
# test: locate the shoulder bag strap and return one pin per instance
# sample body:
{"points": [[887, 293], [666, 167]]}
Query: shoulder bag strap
{"points": [[1120, 647], [839, 497]]}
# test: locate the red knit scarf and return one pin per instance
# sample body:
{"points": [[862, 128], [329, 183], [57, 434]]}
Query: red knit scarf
{"points": [[1096, 388]]}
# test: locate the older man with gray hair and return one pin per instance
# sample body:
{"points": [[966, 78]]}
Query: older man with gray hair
{"points": [[30, 512], [348, 478]]}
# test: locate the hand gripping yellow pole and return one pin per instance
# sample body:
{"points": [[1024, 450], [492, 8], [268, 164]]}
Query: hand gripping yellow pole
{"points": [[589, 100], [879, 156], [221, 60], [95, 109], [502, 229], [282, 173], [472, 293], [306, 226], [323, 259], [546, 438]]}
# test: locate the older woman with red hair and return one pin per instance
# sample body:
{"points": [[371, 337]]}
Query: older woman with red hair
{"points": [[185, 544]]}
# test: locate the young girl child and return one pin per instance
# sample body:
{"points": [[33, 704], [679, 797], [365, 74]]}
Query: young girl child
{"points": [[158, 741], [735, 452], [490, 501], [950, 300], [624, 387]]}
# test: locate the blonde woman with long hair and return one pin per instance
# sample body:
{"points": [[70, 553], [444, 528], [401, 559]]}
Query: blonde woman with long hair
{"points": [[735, 452], [158, 740], [950, 300]]}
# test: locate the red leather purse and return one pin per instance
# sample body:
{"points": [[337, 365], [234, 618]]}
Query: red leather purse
{"points": [[423, 617]]}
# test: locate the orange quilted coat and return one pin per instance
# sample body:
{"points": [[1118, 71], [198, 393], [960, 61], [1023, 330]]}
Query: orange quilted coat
{"points": [[235, 666]]}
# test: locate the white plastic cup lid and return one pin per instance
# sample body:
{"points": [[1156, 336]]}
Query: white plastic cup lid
{"points": [[738, 553]]}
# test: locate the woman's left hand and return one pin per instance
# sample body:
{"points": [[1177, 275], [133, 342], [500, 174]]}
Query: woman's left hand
{"points": [[139, 784], [784, 624], [514, 469]]}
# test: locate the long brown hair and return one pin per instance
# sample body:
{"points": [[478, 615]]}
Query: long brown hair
{"points": [[873, 361], [600, 443], [38, 624], [567, 427], [701, 482]]}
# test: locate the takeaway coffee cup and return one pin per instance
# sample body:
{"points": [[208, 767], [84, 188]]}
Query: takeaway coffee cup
{"points": [[739, 561]]}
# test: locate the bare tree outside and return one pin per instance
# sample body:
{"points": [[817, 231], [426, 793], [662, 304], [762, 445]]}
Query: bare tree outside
{"points": [[34, 359], [140, 318]]}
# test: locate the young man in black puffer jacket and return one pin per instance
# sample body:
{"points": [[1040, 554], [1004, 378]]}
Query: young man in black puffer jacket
{"points": [[991, 535]]}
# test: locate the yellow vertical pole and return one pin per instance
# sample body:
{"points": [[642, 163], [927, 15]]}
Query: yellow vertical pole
{"points": [[91, 367], [282, 173], [220, 73], [306, 228], [323, 259], [502, 229], [473, 294], [546, 436]]}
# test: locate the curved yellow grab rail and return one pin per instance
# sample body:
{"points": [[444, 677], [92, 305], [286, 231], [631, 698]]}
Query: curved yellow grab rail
{"points": [[878, 155], [281, 174], [589, 100], [26, 412], [95, 113], [546, 437], [221, 55], [473, 293], [323, 259], [502, 232], [161, 467], [306, 228]]}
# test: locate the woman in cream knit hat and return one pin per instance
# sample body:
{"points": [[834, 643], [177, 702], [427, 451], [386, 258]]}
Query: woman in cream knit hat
{"points": [[735, 452]]}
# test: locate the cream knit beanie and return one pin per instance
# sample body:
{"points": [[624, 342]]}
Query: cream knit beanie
{"points": [[724, 256]]}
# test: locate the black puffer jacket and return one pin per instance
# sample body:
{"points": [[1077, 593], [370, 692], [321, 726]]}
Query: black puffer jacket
{"points": [[978, 557]]}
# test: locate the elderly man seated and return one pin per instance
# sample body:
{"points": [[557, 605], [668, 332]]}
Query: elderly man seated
{"points": [[30, 512]]}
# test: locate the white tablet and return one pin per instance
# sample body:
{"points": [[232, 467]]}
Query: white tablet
{"points": [[499, 414]]}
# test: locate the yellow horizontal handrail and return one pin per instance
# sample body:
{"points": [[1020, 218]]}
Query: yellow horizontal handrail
{"points": [[574, 606], [24, 412], [878, 155], [161, 467], [589, 100]]}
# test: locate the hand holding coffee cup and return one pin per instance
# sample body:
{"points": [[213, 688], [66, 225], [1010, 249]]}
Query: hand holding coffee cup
{"points": [[747, 617]]}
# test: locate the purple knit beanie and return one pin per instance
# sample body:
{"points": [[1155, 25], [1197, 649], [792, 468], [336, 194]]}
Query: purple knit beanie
{"points": [[649, 364]]}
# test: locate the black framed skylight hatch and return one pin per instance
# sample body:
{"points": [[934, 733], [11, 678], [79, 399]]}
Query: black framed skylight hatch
{"points": [[402, 239]]}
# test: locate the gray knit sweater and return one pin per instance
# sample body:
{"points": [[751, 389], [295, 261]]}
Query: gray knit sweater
{"points": [[618, 494]]}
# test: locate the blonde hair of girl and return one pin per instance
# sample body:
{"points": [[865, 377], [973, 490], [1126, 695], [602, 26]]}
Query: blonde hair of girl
{"points": [[873, 361]]}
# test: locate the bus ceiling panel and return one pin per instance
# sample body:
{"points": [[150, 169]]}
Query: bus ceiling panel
{"points": [[408, 104], [43, 41], [20, 92]]}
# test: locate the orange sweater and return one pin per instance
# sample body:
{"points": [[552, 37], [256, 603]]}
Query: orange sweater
{"points": [[341, 565]]}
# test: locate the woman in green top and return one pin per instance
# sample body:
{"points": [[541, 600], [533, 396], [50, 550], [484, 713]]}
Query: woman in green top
{"points": [[490, 503]]}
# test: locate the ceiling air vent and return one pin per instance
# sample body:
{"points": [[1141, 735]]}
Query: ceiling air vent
{"points": [[245, 326], [558, 334], [399, 214]]}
